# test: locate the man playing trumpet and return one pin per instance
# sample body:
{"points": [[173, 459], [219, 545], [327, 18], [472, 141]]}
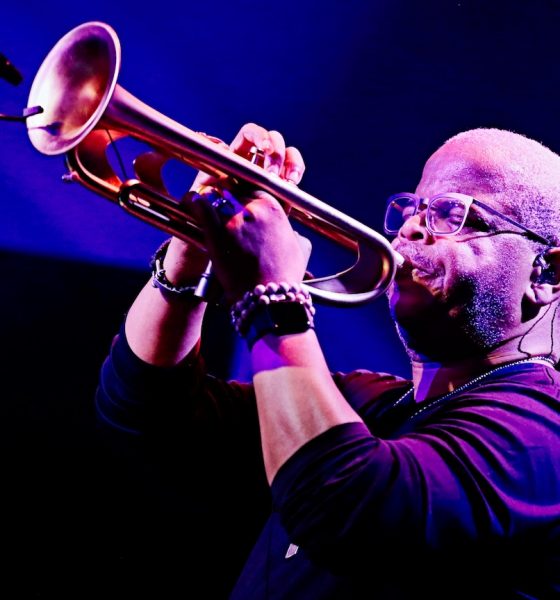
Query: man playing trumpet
{"points": [[445, 486]]}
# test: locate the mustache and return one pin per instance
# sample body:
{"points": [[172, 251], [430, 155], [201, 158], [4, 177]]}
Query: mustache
{"points": [[414, 258]]}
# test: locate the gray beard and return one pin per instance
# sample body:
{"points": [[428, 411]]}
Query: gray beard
{"points": [[486, 319], [472, 320]]}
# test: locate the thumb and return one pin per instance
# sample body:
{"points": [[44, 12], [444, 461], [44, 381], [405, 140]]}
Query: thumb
{"points": [[305, 246]]}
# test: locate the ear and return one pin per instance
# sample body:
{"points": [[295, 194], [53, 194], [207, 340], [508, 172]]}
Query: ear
{"points": [[545, 278]]}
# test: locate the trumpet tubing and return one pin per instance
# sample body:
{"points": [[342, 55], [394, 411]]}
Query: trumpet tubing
{"points": [[85, 109]]}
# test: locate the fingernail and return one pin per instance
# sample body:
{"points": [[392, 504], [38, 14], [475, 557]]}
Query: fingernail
{"points": [[294, 176], [274, 168]]}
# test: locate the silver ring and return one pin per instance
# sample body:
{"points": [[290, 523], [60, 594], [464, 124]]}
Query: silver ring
{"points": [[221, 203]]}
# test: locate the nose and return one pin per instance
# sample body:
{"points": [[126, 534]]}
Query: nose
{"points": [[414, 229]]}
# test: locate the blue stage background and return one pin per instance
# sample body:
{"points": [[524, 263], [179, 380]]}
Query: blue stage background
{"points": [[366, 90]]}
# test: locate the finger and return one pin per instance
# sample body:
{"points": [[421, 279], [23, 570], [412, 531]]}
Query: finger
{"points": [[201, 209], [305, 245], [210, 223], [222, 204], [213, 138], [294, 165], [215, 213], [202, 178], [275, 160], [252, 136]]}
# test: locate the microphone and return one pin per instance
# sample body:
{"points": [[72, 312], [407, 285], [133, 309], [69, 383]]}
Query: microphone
{"points": [[9, 72]]}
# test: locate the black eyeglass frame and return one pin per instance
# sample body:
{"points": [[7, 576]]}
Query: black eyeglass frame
{"points": [[467, 201]]}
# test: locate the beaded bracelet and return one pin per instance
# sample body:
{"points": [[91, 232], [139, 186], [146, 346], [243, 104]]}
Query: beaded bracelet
{"points": [[278, 308]]}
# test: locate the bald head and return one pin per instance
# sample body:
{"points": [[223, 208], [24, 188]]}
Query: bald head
{"points": [[520, 174]]}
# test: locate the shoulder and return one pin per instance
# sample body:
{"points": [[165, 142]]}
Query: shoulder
{"points": [[520, 405], [532, 385]]}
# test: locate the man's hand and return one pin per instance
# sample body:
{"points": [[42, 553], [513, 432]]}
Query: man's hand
{"points": [[247, 234]]}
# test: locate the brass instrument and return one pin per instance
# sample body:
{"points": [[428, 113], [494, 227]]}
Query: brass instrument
{"points": [[84, 110]]}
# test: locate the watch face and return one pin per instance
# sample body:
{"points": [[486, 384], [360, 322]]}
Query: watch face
{"points": [[288, 317], [278, 318]]}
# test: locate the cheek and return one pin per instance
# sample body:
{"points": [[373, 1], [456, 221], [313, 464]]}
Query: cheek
{"points": [[492, 283], [469, 263]]}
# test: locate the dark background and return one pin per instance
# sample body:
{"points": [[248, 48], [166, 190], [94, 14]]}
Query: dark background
{"points": [[367, 90]]}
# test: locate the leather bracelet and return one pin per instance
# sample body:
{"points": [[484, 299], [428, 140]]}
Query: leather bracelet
{"points": [[159, 279], [278, 318]]}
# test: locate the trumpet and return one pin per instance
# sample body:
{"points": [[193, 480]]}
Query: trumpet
{"points": [[80, 110]]}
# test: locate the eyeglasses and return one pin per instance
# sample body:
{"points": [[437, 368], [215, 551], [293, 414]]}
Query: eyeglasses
{"points": [[446, 214]]}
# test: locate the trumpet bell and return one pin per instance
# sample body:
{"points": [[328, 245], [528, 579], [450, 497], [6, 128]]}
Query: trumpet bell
{"points": [[85, 110], [74, 85]]}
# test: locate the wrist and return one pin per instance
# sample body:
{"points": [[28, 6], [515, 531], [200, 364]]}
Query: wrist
{"points": [[277, 308], [176, 283], [183, 262]]}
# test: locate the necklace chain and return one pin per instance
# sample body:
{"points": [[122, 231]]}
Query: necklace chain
{"points": [[470, 383]]}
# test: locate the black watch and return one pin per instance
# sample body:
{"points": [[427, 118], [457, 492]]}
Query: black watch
{"points": [[278, 318]]}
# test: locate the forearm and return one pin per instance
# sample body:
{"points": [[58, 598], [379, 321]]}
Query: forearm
{"points": [[296, 396], [162, 330], [163, 333]]}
